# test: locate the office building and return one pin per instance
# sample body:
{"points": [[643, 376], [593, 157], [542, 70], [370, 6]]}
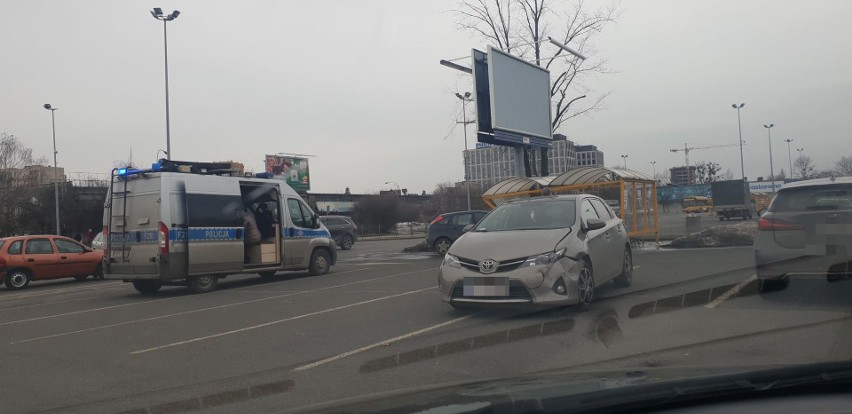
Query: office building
{"points": [[589, 155], [683, 175], [488, 165]]}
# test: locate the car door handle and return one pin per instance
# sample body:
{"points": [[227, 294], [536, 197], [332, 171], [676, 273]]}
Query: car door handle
{"points": [[63, 257], [30, 260]]}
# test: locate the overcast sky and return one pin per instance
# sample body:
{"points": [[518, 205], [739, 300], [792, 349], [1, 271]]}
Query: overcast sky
{"points": [[358, 85]]}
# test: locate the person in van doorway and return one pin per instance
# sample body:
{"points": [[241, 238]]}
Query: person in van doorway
{"points": [[252, 234], [88, 237], [264, 221]]}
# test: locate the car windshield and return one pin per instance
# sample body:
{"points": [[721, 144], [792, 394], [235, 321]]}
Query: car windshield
{"points": [[268, 205], [826, 197], [530, 216]]}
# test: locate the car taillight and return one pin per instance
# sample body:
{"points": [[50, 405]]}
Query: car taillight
{"points": [[773, 224], [437, 220], [163, 237]]}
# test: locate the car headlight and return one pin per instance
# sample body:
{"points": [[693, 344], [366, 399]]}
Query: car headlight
{"points": [[451, 261], [545, 259]]}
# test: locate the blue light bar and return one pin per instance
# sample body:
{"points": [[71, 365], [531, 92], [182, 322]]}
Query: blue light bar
{"points": [[122, 171]]}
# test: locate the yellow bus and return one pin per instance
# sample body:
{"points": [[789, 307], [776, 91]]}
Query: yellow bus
{"points": [[697, 204]]}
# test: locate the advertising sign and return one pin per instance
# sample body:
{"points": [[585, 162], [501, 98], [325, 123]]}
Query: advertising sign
{"points": [[293, 170], [764, 186]]}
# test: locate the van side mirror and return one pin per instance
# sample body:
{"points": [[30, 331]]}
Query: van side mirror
{"points": [[468, 228], [315, 221], [595, 224]]}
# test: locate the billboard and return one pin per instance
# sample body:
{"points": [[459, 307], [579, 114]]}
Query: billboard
{"points": [[293, 170], [520, 95]]}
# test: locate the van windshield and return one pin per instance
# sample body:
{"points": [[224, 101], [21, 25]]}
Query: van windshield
{"points": [[530, 216]]}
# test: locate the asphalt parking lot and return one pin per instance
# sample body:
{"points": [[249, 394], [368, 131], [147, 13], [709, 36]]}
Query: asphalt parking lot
{"points": [[376, 324]]}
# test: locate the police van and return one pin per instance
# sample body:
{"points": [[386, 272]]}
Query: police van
{"points": [[183, 223]]}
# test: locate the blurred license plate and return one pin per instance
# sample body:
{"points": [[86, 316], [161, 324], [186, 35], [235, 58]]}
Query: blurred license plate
{"points": [[486, 286]]}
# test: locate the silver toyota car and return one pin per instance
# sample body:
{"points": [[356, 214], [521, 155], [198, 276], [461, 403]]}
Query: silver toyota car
{"points": [[542, 251]]}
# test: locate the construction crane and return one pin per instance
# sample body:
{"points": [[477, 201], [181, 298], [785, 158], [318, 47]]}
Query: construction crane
{"points": [[686, 148]]}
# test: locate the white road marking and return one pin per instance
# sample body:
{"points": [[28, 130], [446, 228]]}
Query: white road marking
{"points": [[44, 304], [33, 294], [86, 311], [289, 293], [382, 343], [135, 303], [263, 325], [733, 291]]}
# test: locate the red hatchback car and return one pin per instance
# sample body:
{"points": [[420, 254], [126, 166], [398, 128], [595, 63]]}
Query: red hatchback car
{"points": [[41, 257]]}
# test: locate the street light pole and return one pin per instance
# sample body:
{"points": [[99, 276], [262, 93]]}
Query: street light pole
{"points": [[771, 168], [740, 128], [158, 14], [789, 157], [624, 157], [801, 173], [465, 99], [654, 167], [398, 190], [55, 169]]}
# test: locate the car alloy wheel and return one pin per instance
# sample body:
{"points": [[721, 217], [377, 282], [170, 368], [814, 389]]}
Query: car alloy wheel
{"points": [[443, 245], [346, 243]]}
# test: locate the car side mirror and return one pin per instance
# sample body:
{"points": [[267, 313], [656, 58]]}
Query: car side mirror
{"points": [[316, 221], [468, 228], [595, 224]]}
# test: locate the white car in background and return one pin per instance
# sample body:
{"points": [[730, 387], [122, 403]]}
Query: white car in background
{"points": [[98, 243]]}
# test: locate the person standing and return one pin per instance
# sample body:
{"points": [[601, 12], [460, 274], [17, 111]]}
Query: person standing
{"points": [[88, 237]]}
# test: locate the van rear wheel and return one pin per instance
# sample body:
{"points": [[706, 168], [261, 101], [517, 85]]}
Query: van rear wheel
{"points": [[147, 287], [202, 284], [320, 263]]}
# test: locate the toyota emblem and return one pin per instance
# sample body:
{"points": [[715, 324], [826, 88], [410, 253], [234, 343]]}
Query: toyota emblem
{"points": [[488, 266]]}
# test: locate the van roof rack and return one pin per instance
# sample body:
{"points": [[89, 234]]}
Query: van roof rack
{"points": [[196, 167]]}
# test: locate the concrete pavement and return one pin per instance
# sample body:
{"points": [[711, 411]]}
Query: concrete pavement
{"points": [[376, 324]]}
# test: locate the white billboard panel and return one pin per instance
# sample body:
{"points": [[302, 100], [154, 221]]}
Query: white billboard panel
{"points": [[520, 95]]}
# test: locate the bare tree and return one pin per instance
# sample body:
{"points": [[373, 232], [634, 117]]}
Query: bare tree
{"points": [[728, 175], [843, 167], [707, 171], [520, 27], [804, 167], [125, 163]]}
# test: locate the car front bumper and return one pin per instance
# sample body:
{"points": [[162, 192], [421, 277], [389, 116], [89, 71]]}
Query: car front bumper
{"points": [[530, 285]]}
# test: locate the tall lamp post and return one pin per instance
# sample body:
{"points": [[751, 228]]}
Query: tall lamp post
{"points": [[789, 157], [654, 167], [158, 14], [465, 99], [55, 170], [740, 128], [771, 169], [398, 190], [801, 173], [624, 157]]}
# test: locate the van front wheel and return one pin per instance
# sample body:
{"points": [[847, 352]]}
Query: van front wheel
{"points": [[202, 284], [320, 262]]}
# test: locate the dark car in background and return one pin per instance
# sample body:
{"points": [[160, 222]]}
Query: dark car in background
{"points": [[807, 231], [343, 230], [447, 227]]}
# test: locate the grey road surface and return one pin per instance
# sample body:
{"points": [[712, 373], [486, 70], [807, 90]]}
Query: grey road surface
{"points": [[376, 324]]}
